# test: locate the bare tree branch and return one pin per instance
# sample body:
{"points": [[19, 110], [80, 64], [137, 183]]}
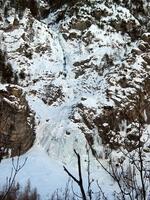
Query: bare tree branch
{"points": [[80, 181]]}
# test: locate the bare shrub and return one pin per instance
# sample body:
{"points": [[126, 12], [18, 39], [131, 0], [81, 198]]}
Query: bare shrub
{"points": [[17, 193]]}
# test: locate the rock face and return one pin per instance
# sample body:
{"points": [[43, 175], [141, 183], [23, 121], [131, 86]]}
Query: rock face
{"points": [[16, 122], [118, 124], [84, 69], [6, 72]]}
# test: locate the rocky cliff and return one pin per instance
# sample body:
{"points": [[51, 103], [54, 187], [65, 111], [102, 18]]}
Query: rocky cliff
{"points": [[85, 68], [16, 123]]}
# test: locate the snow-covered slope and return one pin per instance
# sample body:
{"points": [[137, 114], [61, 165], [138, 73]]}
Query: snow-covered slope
{"points": [[83, 69]]}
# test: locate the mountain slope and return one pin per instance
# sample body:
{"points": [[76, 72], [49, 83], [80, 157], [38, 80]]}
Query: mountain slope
{"points": [[85, 71]]}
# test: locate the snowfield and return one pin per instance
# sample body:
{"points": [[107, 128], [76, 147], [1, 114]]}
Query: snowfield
{"points": [[47, 174]]}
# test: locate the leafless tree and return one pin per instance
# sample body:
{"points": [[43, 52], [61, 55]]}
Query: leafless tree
{"points": [[16, 167], [80, 180]]}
